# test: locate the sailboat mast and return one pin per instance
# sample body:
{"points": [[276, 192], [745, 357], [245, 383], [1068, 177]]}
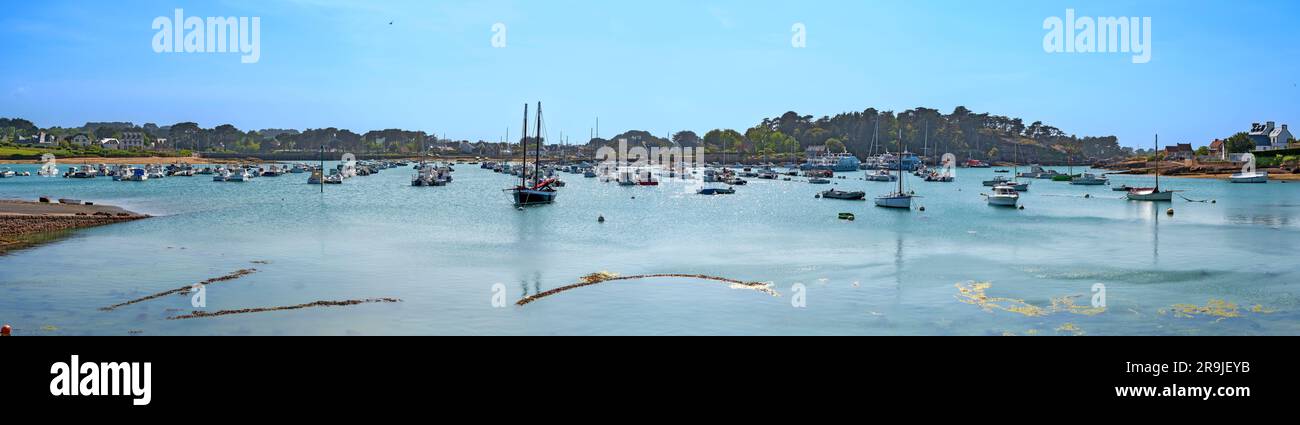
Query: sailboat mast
{"points": [[1157, 157], [900, 160], [523, 146], [537, 150]]}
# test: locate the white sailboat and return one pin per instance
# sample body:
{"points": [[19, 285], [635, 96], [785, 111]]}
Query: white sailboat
{"points": [[1152, 193], [897, 199]]}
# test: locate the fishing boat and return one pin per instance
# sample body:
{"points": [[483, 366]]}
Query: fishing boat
{"points": [[1003, 196], [538, 191], [317, 177], [1089, 179], [238, 175], [1249, 177], [134, 175], [897, 199], [273, 171], [1152, 193], [996, 181], [84, 172], [845, 195]]}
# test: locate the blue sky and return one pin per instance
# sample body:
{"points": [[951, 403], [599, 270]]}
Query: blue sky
{"points": [[661, 66]]}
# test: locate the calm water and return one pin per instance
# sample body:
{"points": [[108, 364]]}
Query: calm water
{"points": [[441, 250]]}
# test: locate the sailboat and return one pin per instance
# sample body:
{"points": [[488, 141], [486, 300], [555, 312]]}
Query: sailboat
{"points": [[1152, 193], [897, 199], [537, 191]]}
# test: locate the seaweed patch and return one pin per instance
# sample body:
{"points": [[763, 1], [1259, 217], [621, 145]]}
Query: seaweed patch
{"points": [[184, 289], [976, 293], [604, 276], [1219, 309], [203, 314]]}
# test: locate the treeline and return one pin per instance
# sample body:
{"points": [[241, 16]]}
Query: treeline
{"points": [[923, 130], [962, 132]]}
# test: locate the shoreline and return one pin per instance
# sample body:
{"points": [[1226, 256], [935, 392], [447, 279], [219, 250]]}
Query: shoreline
{"points": [[24, 224]]}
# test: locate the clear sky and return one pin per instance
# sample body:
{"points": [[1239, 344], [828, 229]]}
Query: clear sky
{"points": [[661, 66]]}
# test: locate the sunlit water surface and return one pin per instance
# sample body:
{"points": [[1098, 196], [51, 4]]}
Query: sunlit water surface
{"points": [[441, 250]]}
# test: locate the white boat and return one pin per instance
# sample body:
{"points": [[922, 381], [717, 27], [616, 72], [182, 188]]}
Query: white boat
{"points": [[84, 172], [1089, 179], [220, 175], [1152, 193], [5, 173], [240, 175], [997, 181], [134, 174], [1251, 177], [881, 176], [1003, 196], [897, 199], [155, 172]]}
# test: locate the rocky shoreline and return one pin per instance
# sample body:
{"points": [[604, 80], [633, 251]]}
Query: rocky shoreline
{"points": [[1194, 169], [24, 224]]}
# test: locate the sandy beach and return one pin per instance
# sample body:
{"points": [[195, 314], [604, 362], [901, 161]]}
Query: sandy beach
{"points": [[23, 223]]}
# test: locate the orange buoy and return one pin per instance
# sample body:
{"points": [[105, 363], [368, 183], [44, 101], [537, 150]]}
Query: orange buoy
{"points": [[4, 331]]}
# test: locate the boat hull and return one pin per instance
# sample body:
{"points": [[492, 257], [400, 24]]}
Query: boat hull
{"points": [[894, 201], [1149, 195], [848, 196], [1256, 178], [1003, 201], [524, 197]]}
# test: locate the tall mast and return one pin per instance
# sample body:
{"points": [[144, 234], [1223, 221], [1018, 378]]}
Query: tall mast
{"points": [[900, 160], [537, 151], [523, 146], [1157, 156]]}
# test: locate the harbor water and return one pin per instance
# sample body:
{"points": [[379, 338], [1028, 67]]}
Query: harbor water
{"points": [[1077, 260]]}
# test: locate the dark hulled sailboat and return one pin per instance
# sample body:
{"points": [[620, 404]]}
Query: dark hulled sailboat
{"points": [[533, 190]]}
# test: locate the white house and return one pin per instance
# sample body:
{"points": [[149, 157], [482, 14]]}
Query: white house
{"points": [[1269, 136], [110, 144]]}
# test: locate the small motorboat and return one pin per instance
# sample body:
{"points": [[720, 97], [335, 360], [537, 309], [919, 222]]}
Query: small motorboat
{"points": [[819, 180], [1089, 179], [845, 195], [1003, 196], [1121, 188]]}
